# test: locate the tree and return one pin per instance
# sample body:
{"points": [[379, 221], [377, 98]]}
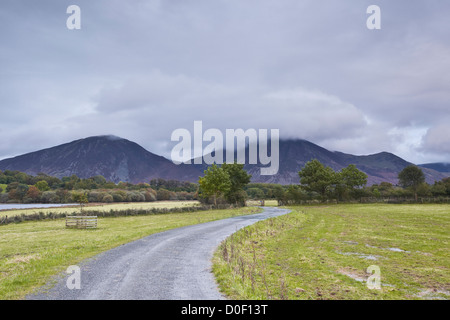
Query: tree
{"points": [[80, 198], [68, 183], [119, 195], [441, 188], [63, 195], [424, 190], [50, 197], [294, 194], [163, 194], [33, 194], [376, 193], [350, 179], [42, 185], [19, 192], [215, 182], [316, 177], [255, 193], [12, 186], [411, 177], [99, 180], [446, 182], [238, 180]]}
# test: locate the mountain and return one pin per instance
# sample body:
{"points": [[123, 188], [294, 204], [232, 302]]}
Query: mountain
{"points": [[118, 159], [438, 166], [114, 158], [294, 154]]}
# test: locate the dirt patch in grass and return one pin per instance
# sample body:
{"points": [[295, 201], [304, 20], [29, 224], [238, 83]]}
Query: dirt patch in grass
{"points": [[22, 259], [320, 252]]}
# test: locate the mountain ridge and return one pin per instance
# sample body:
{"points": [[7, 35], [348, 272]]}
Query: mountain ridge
{"points": [[119, 159], [438, 166]]}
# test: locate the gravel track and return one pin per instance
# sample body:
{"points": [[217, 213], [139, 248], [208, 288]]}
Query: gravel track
{"points": [[171, 265]]}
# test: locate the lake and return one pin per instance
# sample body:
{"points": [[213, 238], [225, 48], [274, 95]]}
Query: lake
{"points": [[9, 206]]}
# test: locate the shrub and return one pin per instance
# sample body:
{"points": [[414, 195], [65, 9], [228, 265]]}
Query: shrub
{"points": [[149, 196], [134, 196], [163, 194], [95, 196], [50, 197], [107, 198], [4, 197], [119, 196]]}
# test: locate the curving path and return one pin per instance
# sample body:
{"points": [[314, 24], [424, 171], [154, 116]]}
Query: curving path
{"points": [[171, 265]]}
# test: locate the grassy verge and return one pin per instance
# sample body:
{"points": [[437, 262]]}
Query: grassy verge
{"points": [[32, 252], [323, 252]]}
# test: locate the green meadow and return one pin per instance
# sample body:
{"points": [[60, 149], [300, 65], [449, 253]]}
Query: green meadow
{"points": [[315, 252], [345, 251], [32, 252]]}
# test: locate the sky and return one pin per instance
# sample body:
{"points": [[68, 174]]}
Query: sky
{"points": [[140, 69]]}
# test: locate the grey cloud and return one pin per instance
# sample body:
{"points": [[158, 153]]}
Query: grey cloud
{"points": [[298, 111], [140, 69], [437, 138]]}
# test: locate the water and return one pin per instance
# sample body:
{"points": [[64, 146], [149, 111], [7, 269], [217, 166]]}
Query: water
{"points": [[9, 206], [360, 255]]}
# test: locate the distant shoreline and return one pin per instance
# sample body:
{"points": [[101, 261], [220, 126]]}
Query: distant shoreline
{"points": [[12, 206]]}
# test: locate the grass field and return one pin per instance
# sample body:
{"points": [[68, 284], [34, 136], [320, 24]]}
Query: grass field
{"points": [[105, 207], [323, 252], [32, 252]]}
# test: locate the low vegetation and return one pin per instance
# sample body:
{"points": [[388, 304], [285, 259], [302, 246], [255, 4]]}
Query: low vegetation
{"points": [[19, 187], [228, 183], [316, 252], [103, 209], [323, 252], [32, 252]]}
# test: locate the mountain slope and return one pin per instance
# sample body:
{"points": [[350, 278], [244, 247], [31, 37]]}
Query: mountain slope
{"points": [[438, 166], [119, 159], [115, 158], [294, 154]]}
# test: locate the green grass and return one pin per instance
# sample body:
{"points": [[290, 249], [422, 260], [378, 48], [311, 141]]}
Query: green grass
{"points": [[323, 252], [103, 207], [32, 252], [3, 186]]}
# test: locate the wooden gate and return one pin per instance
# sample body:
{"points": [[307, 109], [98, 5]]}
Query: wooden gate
{"points": [[81, 222]]}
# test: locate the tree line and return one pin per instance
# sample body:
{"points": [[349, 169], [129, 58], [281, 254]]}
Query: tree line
{"points": [[318, 182], [220, 184], [19, 187], [230, 183]]}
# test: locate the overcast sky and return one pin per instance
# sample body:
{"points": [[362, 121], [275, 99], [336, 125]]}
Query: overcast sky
{"points": [[139, 69]]}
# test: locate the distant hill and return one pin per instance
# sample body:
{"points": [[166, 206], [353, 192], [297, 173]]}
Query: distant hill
{"points": [[118, 159], [438, 166], [114, 158], [294, 154]]}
